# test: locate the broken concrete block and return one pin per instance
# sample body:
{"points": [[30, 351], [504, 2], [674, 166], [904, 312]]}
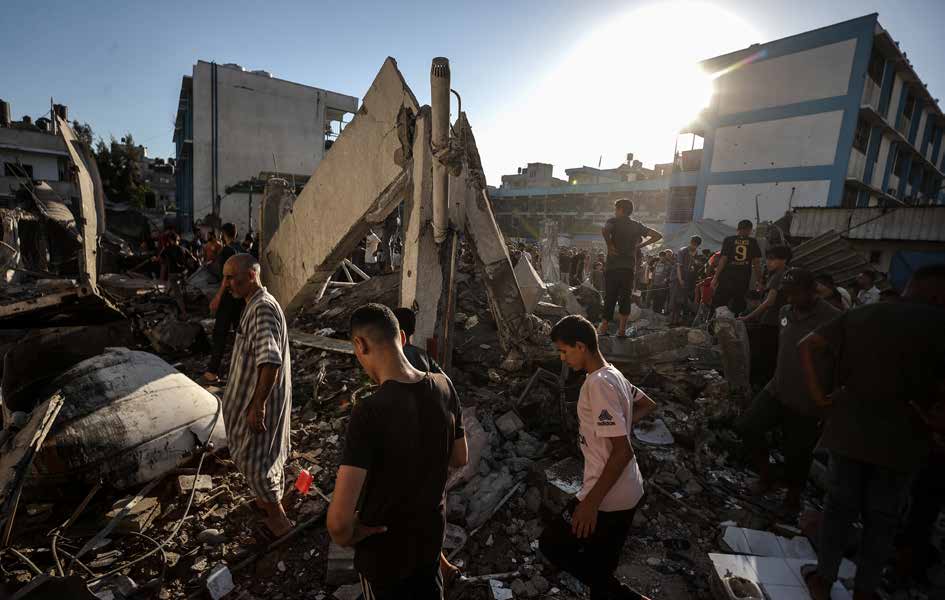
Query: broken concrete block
{"points": [[509, 424], [348, 592], [139, 518], [653, 432], [454, 537], [211, 537], [562, 295], [563, 481], [219, 582], [529, 282], [340, 565], [186, 483], [499, 591]]}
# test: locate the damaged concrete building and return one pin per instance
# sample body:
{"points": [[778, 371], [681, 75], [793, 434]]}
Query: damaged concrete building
{"points": [[232, 123]]}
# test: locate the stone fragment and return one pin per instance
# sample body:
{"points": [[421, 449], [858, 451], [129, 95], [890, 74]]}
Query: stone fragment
{"points": [[692, 488], [211, 537], [139, 518], [540, 584], [219, 582], [533, 499], [186, 483], [509, 424], [348, 592], [340, 567]]}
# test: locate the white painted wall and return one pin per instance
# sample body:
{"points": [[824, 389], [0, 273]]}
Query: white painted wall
{"points": [[894, 100], [264, 124], [803, 141], [45, 166], [732, 203], [879, 169], [821, 72]]}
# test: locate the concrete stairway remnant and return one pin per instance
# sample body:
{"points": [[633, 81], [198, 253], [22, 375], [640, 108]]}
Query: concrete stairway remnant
{"points": [[358, 184]]}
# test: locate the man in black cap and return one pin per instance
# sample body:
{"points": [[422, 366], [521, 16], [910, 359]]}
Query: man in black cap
{"points": [[785, 401]]}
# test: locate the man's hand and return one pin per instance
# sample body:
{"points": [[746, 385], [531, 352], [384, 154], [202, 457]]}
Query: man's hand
{"points": [[362, 531], [584, 519], [215, 304], [257, 417]]}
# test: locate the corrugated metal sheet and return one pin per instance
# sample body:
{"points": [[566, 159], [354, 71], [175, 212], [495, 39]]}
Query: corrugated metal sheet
{"points": [[829, 253], [913, 223]]}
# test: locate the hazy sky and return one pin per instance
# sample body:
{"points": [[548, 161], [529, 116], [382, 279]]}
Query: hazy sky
{"points": [[566, 82]]}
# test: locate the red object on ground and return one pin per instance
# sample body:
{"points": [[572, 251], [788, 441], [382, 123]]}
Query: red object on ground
{"points": [[304, 481]]}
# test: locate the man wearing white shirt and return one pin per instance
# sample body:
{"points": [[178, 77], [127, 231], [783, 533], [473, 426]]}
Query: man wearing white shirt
{"points": [[869, 293], [588, 538]]}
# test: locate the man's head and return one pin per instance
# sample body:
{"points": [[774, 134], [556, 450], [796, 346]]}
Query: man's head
{"points": [[229, 232], [623, 207], [241, 275], [800, 287], [212, 236], [377, 338], [694, 242], [744, 227], [866, 280], [172, 238], [576, 340], [407, 320], [778, 257], [927, 285], [825, 284]]}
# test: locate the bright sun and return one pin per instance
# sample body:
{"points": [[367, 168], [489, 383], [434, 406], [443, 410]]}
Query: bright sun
{"points": [[628, 86]]}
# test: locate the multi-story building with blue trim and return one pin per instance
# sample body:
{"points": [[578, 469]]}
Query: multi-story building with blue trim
{"points": [[834, 117]]}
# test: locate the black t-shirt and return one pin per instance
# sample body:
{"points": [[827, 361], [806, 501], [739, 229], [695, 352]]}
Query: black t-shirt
{"points": [[174, 258], [740, 251], [403, 436], [627, 235], [771, 316], [420, 360]]}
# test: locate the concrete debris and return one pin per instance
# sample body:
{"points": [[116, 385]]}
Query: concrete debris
{"points": [[736, 355], [562, 295], [653, 432], [533, 288], [509, 424], [351, 591], [186, 483], [139, 518], [340, 568], [219, 582]]}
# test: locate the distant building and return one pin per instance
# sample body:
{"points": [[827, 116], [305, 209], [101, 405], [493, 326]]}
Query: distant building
{"points": [[834, 117], [232, 124], [159, 175], [582, 204], [32, 151]]}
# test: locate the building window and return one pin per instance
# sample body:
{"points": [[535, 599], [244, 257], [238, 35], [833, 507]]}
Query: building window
{"points": [[898, 164], [876, 67], [909, 107], [17, 170], [849, 197], [862, 136]]}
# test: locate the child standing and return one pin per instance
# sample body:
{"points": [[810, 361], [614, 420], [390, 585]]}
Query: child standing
{"points": [[589, 535]]}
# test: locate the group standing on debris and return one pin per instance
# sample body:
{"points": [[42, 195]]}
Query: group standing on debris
{"points": [[861, 378]]}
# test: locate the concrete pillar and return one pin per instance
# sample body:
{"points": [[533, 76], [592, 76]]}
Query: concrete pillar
{"points": [[276, 203]]}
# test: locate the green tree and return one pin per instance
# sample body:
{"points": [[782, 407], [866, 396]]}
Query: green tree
{"points": [[118, 163], [83, 131]]}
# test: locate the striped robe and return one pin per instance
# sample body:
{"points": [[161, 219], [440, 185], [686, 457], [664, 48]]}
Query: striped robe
{"points": [[262, 338]]}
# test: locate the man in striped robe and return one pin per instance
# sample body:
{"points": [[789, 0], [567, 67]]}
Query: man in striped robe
{"points": [[258, 401]]}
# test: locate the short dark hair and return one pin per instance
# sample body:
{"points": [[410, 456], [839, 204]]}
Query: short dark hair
{"points": [[229, 229], [697, 239], [407, 319], [625, 204], [745, 224], [798, 278], [573, 329], [871, 275], [825, 278], [172, 236], [782, 252], [375, 322]]}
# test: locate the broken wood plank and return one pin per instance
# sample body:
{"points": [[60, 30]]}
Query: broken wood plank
{"points": [[320, 342]]}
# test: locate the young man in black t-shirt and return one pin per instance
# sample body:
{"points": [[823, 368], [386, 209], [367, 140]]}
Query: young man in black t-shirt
{"points": [[741, 257], [173, 260], [389, 499], [624, 238]]}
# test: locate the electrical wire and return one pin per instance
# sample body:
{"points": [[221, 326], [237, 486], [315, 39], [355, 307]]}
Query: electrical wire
{"points": [[180, 522]]}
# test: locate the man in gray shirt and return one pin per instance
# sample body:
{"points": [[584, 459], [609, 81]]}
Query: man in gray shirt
{"points": [[785, 401]]}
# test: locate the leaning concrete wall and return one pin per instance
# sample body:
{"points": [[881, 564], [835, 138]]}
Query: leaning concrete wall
{"points": [[357, 185]]}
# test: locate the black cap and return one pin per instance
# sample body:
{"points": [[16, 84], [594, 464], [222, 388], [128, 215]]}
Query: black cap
{"points": [[795, 277]]}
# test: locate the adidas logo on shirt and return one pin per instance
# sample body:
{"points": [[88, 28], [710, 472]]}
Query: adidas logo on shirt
{"points": [[604, 418]]}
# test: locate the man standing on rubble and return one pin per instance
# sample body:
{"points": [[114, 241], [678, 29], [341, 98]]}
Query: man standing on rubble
{"points": [[227, 309], [785, 401], [257, 403], [624, 238], [589, 535], [887, 401], [389, 499], [764, 320], [741, 258]]}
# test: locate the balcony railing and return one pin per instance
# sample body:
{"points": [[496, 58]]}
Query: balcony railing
{"points": [[871, 93], [856, 168]]}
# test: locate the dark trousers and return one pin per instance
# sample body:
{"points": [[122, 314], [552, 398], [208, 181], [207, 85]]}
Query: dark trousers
{"points": [[227, 319], [426, 583], [801, 433], [763, 344], [659, 297], [592, 560], [928, 498], [730, 294], [618, 290], [856, 489]]}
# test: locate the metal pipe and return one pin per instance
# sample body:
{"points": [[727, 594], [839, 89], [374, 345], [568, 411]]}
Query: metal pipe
{"points": [[440, 104]]}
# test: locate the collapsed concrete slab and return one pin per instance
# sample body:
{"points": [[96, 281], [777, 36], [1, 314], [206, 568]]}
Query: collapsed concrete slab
{"points": [[357, 185]]}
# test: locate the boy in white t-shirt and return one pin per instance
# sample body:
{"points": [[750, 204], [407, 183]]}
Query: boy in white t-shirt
{"points": [[588, 538]]}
